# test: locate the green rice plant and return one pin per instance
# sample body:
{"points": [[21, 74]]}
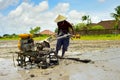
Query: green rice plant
{"points": [[41, 37], [101, 37]]}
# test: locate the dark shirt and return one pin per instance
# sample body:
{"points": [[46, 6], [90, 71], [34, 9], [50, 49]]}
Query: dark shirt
{"points": [[64, 27]]}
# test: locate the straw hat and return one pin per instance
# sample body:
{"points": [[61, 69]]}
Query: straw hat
{"points": [[60, 18]]}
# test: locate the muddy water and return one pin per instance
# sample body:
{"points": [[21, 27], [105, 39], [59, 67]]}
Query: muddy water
{"points": [[8, 71], [105, 54], [106, 66]]}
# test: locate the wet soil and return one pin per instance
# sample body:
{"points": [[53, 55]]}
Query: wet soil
{"points": [[105, 57]]}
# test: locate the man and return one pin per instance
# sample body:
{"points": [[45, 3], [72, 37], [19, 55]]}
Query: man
{"points": [[63, 29]]}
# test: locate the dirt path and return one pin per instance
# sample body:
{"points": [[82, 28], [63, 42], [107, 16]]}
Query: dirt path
{"points": [[105, 56]]}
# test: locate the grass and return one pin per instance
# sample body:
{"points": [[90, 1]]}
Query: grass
{"points": [[85, 37], [101, 37], [6, 38], [42, 37]]}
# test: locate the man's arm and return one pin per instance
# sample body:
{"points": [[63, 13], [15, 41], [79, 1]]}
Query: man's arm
{"points": [[70, 26], [58, 30]]}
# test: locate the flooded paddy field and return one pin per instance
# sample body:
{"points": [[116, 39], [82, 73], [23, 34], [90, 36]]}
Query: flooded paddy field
{"points": [[104, 65]]}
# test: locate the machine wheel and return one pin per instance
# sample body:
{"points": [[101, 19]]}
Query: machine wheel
{"points": [[45, 66], [53, 58]]}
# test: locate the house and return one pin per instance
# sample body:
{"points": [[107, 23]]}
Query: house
{"points": [[47, 32], [108, 24]]}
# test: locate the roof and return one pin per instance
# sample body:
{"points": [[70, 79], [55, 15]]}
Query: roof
{"points": [[108, 24], [48, 32]]}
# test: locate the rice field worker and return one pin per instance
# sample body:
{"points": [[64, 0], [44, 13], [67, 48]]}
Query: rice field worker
{"points": [[64, 27]]}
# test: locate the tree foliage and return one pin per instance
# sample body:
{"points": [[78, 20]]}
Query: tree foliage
{"points": [[56, 30], [116, 15], [79, 26], [97, 27], [86, 18], [35, 30], [10, 35]]}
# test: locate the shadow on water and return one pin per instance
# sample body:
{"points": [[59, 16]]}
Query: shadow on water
{"points": [[78, 60]]}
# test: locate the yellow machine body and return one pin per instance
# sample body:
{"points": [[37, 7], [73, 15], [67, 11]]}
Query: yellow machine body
{"points": [[23, 36]]}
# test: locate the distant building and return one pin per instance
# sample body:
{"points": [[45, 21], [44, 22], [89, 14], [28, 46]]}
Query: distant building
{"points": [[108, 24], [47, 32]]}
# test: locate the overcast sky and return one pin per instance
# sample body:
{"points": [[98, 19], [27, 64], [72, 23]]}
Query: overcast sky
{"points": [[18, 16]]}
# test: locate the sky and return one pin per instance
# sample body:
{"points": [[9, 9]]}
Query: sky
{"points": [[19, 16]]}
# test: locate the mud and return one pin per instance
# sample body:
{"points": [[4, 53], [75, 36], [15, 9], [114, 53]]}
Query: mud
{"points": [[105, 56]]}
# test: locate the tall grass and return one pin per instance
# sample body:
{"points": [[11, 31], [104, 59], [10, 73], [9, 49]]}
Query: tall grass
{"points": [[84, 37], [101, 37], [41, 37], [9, 38]]}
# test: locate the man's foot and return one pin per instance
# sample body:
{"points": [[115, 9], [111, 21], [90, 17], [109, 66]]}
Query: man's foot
{"points": [[60, 57]]}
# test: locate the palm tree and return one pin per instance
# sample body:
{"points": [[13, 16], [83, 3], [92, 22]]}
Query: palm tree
{"points": [[116, 15], [86, 18]]}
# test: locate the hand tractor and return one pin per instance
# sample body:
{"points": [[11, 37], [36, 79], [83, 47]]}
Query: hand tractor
{"points": [[31, 53]]}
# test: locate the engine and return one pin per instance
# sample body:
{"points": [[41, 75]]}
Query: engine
{"points": [[26, 42]]}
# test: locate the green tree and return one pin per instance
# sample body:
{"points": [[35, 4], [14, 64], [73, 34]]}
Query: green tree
{"points": [[86, 18], [35, 30], [56, 30], [6, 35], [79, 26], [97, 27], [116, 15]]}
